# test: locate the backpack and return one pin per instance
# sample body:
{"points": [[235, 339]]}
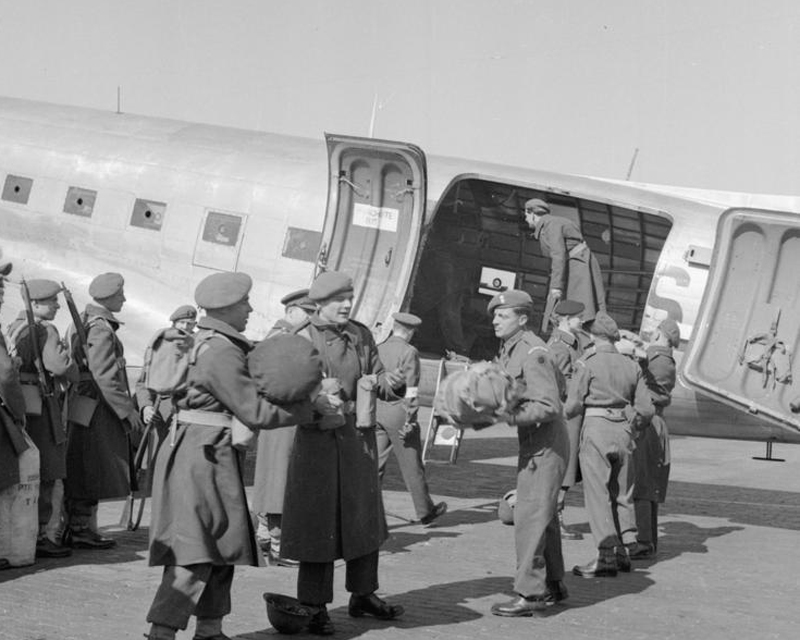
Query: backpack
{"points": [[477, 395], [168, 357]]}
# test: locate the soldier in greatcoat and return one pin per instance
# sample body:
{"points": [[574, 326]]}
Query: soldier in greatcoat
{"points": [[565, 346], [12, 412], [156, 409], [609, 390], [652, 456], [574, 271], [46, 430], [543, 451], [333, 506], [201, 525], [274, 449], [98, 452], [398, 429]]}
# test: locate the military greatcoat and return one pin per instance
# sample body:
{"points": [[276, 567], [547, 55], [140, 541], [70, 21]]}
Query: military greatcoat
{"points": [[98, 456], [200, 512], [334, 507], [12, 419], [272, 459], [573, 270], [58, 369]]}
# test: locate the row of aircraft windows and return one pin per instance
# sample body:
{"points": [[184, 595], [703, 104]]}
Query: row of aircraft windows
{"points": [[220, 228]]}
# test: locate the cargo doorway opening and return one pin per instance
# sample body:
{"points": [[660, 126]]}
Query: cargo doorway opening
{"points": [[477, 245]]}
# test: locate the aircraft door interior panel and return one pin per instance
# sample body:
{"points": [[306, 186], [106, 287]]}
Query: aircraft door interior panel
{"points": [[478, 244], [375, 211], [746, 335]]}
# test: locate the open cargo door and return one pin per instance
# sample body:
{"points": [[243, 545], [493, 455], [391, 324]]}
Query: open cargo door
{"points": [[744, 348], [376, 203]]}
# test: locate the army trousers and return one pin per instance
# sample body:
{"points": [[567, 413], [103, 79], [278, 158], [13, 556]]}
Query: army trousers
{"points": [[203, 590], [315, 579], [606, 459], [537, 536], [407, 449]]}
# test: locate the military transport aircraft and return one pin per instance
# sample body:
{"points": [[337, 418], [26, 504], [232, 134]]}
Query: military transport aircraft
{"points": [[167, 202]]}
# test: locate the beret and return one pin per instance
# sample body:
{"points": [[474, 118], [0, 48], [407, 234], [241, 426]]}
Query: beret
{"points": [[407, 319], [671, 329], [222, 290], [5, 268], [106, 285], [294, 297], [285, 367], [569, 308], [510, 298], [604, 325], [329, 284], [42, 289], [184, 312], [537, 203]]}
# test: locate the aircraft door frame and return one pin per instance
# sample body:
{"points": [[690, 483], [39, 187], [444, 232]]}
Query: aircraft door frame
{"points": [[373, 220], [743, 350]]}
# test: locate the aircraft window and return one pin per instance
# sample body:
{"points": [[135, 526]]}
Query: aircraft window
{"points": [[222, 228], [17, 189], [301, 244], [80, 202], [148, 214]]}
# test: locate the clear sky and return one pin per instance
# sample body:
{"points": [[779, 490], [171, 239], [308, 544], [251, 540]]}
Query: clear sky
{"points": [[707, 90]]}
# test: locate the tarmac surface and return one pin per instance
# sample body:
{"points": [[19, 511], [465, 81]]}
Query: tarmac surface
{"points": [[728, 564]]}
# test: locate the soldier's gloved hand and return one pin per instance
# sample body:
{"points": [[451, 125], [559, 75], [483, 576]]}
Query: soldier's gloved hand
{"points": [[327, 405], [395, 379], [148, 413], [556, 294]]}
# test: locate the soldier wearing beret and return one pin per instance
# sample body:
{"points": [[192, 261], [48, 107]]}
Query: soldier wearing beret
{"points": [[98, 452], [334, 507], [652, 456], [398, 429], [543, 451], [609, 390], [574, 270], [46, 431], [156, 409], [565, 346], [201, 525], [275, 448], [12, 411]]}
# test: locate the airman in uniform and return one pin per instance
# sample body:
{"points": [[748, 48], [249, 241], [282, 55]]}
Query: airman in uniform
{"points": [[334, 507], [154, 407], [201, 524], [46, 431], [566, 349], [398, 428], [543, 452], [574, 270], [98, 455], [12, 411], [609, 390], [275, 448], [652, 456]]}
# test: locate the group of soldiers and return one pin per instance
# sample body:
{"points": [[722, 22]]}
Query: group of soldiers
{"points": [[328, 405]]}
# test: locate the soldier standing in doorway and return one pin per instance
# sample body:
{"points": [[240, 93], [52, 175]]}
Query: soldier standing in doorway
{"points": [[574, 270]]}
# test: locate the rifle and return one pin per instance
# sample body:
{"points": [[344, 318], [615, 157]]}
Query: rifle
{"points": [[49, 401]]}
